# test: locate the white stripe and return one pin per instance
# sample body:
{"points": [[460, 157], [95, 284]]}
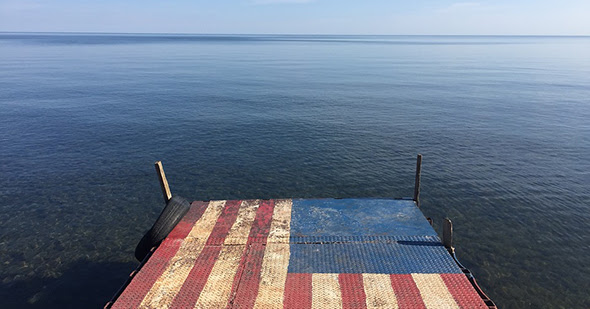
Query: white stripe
{"points": [[379, 292], [275, 263], [216, 291], [280, 227], [434, 291], [168, 285], [325, 291]]}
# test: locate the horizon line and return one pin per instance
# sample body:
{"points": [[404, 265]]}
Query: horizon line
{"points": [[288, 34]]}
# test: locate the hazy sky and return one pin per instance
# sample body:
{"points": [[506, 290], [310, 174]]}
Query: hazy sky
{"points": [[561, 17]]}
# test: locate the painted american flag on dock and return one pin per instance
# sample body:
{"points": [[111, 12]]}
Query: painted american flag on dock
{"points": [[325, 253]]}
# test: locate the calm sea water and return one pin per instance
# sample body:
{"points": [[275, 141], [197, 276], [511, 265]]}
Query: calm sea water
{"points": [[503, 124]]}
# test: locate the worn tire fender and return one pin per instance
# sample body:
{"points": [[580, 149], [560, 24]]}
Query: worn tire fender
{"points": [[175, 209]]}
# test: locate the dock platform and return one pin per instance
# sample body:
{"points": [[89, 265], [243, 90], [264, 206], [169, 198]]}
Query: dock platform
{"points": [[300, 253]]}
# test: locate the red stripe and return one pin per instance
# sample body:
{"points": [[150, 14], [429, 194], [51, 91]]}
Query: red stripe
{"points": [[248, 279], [406, 292], [224, 223], [462, 291], [297, 291], [185, 225], [261, 224], [353, 292], [157, 263], [194, 283]]}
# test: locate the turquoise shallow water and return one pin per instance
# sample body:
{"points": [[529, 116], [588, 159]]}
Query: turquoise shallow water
{"points": [[502, 122]]}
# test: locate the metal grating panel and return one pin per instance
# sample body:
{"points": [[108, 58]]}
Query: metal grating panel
{"points": [[377, 258], [358, 217], [301, 254]]}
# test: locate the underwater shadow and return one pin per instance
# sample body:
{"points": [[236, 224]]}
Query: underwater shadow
{"points": [[84, 284]]}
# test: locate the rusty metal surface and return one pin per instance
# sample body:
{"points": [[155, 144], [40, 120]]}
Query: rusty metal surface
{"points": [[332, 253]]}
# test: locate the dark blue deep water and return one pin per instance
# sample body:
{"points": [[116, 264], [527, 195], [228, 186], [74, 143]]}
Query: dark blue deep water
{"points": [[503, 124]]}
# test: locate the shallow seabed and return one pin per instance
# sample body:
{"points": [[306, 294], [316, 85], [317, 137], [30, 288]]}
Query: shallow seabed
{"points": [[502, 122]]}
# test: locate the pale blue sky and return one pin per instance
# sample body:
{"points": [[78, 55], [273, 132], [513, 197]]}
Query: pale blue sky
{"points": [[537, 17]]}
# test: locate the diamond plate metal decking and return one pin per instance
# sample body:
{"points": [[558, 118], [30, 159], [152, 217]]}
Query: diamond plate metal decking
{"points": [[301, 253]]}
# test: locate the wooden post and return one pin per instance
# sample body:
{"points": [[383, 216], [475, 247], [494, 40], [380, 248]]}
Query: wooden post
{"points": [[417, 181], [163, 181], [448, 235]]}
